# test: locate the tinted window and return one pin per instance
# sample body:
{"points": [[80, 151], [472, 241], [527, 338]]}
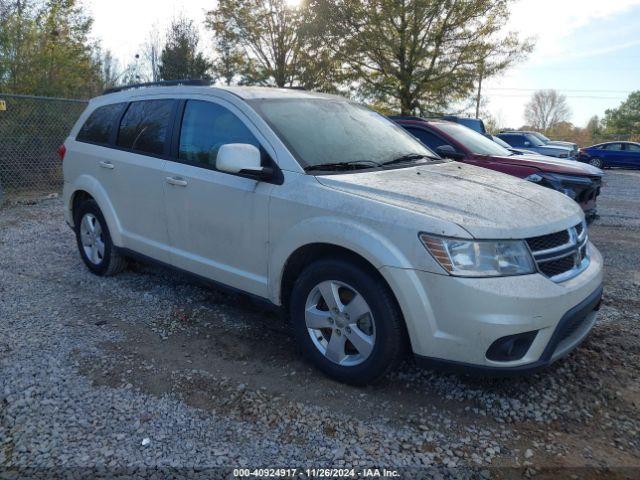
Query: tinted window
{"points": [[541, 137], [145, 126], [535, 141], [615, 147], [205, 128], [321, 131], [429, 139], [99, 125], [632, 147], [501, 142], [513, 140]]}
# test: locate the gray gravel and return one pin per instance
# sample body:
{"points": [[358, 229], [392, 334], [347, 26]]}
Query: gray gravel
{"points": [[148, 369]]}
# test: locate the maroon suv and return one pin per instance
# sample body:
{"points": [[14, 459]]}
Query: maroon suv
{"points": [[457, 142]]}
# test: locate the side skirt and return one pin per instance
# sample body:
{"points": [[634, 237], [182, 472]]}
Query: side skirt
{"points": [[204, 281]]}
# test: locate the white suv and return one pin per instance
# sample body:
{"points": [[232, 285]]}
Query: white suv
{"points": [[367, 240]]}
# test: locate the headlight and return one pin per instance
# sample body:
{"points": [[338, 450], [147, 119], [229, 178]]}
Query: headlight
{"points": [[469, 258], [570, 185]]}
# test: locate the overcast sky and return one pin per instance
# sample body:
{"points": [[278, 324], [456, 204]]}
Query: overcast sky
{"points": [[587, 49]]}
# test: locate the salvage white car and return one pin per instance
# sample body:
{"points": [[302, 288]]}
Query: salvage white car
{"points": [[370, 243]]}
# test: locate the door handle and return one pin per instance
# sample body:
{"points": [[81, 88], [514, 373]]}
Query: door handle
{"points": [[107, 165], [177, 181]]}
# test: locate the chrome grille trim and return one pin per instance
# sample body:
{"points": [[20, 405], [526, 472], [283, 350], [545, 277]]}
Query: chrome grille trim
{"points": [[574, 248]]}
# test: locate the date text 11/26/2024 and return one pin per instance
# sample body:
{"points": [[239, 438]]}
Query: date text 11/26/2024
{"points": [[315, 473]]}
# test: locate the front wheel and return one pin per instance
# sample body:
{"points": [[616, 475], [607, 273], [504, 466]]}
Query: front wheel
{"points": [[596, 162], [347, 321]]}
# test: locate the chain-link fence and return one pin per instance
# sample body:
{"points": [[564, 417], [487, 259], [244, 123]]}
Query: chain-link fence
{"points": [[31, 130]]}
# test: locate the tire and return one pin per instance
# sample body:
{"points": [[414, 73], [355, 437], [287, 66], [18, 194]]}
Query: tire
{"points": [[96, 248], [366, 313], [596, 162]]}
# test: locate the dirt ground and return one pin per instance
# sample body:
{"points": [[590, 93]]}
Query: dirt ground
{"points": [[221, 355]]}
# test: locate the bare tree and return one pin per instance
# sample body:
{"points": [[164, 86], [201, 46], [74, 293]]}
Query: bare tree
{"points": [[546, 109], [151, 53]]}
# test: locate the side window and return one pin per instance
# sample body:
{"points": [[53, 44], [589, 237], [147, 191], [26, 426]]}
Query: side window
{"points": [[514, 140], [145, 126], [99, 125], [206, 127], [632, 147], [429, 139], [614, 147]]}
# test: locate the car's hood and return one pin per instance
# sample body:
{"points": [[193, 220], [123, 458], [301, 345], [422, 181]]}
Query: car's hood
{"points": [[487, 204], [552, 164], [558, 143]]}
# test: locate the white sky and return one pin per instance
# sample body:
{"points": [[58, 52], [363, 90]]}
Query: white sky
{"points": [[569, 34]]}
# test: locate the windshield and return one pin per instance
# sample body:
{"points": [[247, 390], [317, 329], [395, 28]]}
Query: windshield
{"points": [[473, 141], [501, 142], [328, 131], [535, 141], [541, 137]]}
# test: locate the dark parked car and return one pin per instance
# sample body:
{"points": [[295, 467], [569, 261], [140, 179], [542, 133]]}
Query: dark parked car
{"points": [[613, 154], [576, 180], [547, 141], [517, 151], [474, 124], [529, 141]]}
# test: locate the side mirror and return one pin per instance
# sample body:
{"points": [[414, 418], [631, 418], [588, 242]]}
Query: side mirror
{"points": [[242, 158], [447, 151]]}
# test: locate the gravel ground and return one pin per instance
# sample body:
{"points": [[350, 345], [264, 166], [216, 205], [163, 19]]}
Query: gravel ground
{"points": [[148, 370]]}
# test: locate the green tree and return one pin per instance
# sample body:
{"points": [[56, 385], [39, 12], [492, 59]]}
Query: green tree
{"points": [[45, 49], [269, 42], [624, 120], [419, 55], [180, 58]]}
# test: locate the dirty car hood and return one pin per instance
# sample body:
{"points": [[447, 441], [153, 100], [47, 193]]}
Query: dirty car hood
{"points": [[487, 204]]}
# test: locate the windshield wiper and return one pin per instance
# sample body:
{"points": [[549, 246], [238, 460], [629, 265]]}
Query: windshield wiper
{"points": [[410, 157], [354, 165]]}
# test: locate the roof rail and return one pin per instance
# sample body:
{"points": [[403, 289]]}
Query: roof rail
{"points": [[164, 83]]}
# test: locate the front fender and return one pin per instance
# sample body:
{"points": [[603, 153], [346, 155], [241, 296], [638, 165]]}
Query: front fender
{"points": [[89, 184], [369, 244]]}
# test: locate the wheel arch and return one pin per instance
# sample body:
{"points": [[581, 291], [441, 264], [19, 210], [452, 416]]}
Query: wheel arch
{"points": [[310, 253], [88, 188], [324, 236]]}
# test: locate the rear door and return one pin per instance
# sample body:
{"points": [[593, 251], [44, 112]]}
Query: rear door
{"points": [[136, 166], [217, 222]]}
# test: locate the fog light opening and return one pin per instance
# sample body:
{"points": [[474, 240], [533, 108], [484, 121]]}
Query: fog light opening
{"points": [[511, 348]]}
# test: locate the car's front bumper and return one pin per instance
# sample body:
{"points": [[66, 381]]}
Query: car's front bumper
{"points": [[454, 321]]}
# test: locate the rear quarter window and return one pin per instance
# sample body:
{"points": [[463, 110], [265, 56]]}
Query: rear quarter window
{"points": [[146, 125], [100, 124]]}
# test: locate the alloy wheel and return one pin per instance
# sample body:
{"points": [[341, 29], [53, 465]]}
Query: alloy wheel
{"points": [[92, 239], [340, 323], [596, 162]]}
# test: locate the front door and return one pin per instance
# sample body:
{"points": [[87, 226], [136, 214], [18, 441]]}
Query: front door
{"points": [[217, 222], [614, 155]]}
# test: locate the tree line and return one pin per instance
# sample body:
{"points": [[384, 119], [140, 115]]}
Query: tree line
{"points": [[420, 57], [410, 56], [548, 112]]}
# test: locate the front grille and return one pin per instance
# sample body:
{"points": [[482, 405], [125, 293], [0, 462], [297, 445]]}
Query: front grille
{"points": [[546, 242], [561, 255]]}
